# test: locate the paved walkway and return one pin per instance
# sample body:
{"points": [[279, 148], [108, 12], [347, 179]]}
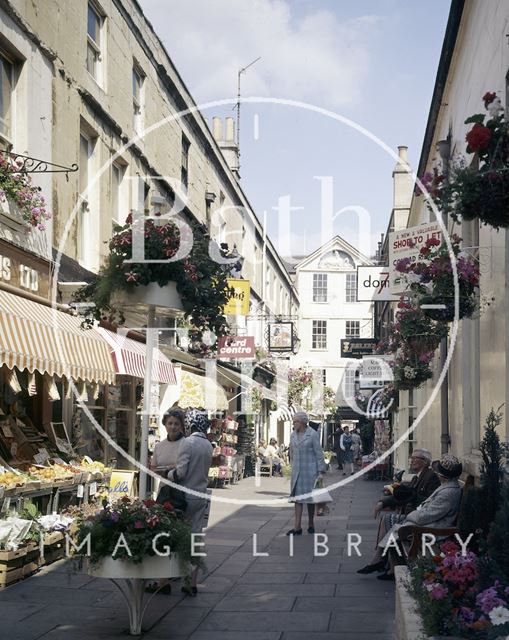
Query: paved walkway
{"points": [[275, 597]]}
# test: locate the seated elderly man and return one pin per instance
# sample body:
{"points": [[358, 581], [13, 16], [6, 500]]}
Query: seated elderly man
{"points": [[440, 510], [407, 496]]}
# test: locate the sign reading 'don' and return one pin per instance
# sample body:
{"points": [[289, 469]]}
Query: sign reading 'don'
{"points": [[373, 284], [236, 347], [406, 243]]}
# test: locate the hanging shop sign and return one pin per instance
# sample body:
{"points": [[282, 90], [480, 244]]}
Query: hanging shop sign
{"points": [[358, 347], [373, 284], [281, 336], [238, 304], [374, 372], [233, 347], [406, 243]]}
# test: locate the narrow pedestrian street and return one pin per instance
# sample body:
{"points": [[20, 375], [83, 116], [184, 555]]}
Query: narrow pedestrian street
{"points": [[274, 597]]}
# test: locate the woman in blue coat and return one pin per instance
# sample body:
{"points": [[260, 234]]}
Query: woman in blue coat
{"points": [[308, 464]]}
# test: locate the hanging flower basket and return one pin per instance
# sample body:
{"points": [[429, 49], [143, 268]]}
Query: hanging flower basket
{"points": [[480, 189], [166, 297], [424, 343], [412, 371], [432, 281]]}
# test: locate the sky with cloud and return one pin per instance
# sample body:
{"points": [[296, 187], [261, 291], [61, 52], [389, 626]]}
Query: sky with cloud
{"points": [[329, 69]]}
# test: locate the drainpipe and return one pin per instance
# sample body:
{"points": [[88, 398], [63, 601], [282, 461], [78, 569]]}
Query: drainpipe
{"points": [[444, 150]]}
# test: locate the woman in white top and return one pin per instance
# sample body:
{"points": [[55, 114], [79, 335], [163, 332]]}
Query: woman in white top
{"points": [[166, 452]]}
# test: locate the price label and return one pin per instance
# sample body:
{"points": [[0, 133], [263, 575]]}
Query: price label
{"points": [[7, 431], [43, 452], [92, 490], [81, 491], [58, 460]]}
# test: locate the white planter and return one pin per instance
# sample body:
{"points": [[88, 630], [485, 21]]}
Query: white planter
{"points": [[152, 568], [140, 297]]}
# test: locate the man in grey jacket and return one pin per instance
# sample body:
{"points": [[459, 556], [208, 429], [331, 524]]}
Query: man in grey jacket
{"points": [[191, 472]]}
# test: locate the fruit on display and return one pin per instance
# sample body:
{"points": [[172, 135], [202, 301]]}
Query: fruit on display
{"points": [[11, 479]]}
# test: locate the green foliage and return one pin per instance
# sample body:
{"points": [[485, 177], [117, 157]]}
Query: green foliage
{"points": [[481, 504], [201, 281], [498, 539]]}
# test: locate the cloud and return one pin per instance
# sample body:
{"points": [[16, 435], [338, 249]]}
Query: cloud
{"points": [[313, 57]]}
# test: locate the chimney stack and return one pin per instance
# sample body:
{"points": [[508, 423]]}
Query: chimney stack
{"points": [[224, 135]]}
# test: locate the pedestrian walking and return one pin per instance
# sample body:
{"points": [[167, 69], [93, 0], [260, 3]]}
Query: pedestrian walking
{"points": [[346, 444], [356, 446], [308, 466], [192, 472], [334, 439]]}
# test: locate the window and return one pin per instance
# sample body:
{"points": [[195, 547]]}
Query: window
{"points": [[84, 248], [353, 329], [137, 97], [117, 177], [351, 287], [94, 24], [184, 173], [349, 383], [319, 334], [319, 287], [6, 90]]}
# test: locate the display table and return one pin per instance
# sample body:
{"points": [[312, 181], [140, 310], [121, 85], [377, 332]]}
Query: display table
{"points": [[131, 579]]}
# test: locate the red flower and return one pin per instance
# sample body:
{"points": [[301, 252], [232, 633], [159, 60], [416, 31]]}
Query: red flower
{"points": [[168, 506], [478, 138], [149, 502], [139, 524], [488, 98]]}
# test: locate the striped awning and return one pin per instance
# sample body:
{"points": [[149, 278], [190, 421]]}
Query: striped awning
{"points": [[129, 357], [200, 392], [40, 338]]}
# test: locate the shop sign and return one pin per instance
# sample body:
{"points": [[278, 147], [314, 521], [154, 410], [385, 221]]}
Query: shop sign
{"points": [[121, 484], [374, 372], [406, 243], [281, 336], [238, 304], [358, 347], [235, 347], [18, 274], [373, 284]]}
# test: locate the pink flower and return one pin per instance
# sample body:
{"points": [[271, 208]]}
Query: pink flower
{"points": [[131, 276], [438, 592], [139, 524]]}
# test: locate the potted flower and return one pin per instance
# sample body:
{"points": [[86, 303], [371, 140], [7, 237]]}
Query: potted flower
{"points": [[421, 334], [481, 189], [459, 594], [20, 201], [200, 281], [132, 532], [300, 384], [411, 370], [432, 282]]}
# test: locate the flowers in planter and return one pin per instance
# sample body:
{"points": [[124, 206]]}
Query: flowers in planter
{"points": [[201, 282], [481, 189], [136, 523], [421, 334], [457, 594], [17, 189], [300, 384], [431, 280], [411, 370]]}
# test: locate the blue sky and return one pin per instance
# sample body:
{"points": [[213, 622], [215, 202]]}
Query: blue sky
{"points": [[371, 61]]}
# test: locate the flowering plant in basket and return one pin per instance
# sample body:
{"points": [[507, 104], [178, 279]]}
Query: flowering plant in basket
{"points": [[17, 188], [431, 279], [136, 523], [419, 333], [480, 190], [201, 281], [411, 370], [457, 595]]}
